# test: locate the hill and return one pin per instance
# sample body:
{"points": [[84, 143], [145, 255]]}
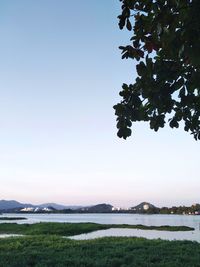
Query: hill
{"points": [[59, 206], [12, 204], [15, 206], [144, 207], [100, 208]]}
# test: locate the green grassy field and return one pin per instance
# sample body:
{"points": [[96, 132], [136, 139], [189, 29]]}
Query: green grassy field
{"points": [[54, 251], [68, 229], [44, 246]]}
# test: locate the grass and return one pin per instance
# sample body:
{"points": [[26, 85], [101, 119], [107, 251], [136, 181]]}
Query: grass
{"points": [[67, 229], [12, 218], [43, 246], [54, 251]]}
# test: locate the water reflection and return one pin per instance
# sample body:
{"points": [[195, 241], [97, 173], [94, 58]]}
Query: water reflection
{"points": [[155, 220], [9, 235], [150, 234]]}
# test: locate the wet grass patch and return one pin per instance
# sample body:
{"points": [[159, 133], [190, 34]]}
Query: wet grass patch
{"points": [[48, 250], [68, 229]]}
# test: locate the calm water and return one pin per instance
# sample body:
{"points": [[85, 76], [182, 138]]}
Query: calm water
{"points": [[150, 234], [9, 235], [187, 220], [157, 220]]}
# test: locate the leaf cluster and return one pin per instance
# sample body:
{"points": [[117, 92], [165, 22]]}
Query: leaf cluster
{"points": [[165, 43]]}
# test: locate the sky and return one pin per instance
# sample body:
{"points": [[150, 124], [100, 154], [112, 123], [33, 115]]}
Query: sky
{"points": [[60, 75]]}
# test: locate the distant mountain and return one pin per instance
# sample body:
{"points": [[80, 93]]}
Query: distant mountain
{"points": [[100, 208], [15, 206], [143, 207], [12, 204], [58, 206]]}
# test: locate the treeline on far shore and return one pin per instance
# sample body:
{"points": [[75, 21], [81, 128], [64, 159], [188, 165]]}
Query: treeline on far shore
{"points": [[192, 210]]}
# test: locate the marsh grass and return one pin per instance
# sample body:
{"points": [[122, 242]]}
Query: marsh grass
{"points": [[12, 218], [54, 251], [43, 246], [67, 229]]}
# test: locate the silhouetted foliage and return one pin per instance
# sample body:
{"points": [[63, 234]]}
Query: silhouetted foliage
{"points": [[166, 46]]}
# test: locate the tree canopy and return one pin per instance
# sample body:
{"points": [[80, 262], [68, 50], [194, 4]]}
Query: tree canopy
{"points": [[165, 43]]}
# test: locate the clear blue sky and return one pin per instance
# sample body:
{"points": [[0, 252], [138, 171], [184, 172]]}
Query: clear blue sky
{"points": [[60, 74]]}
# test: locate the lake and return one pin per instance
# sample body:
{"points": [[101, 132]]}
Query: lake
{"points": [[155, 220], [105, 218], [149, 234]]}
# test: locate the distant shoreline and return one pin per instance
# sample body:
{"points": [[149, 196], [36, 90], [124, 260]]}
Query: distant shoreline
{"points": [[74, 212], [142, 208]]}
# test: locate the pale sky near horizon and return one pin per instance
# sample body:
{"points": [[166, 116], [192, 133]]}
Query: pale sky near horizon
{"points": [[60, 75]]}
